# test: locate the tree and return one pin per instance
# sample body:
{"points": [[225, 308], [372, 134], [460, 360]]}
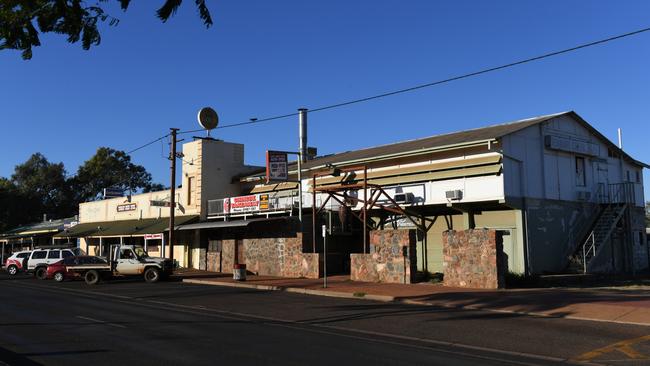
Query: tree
{"points": [[109, 168], [44, 186], [19, 20], [14, 207]]}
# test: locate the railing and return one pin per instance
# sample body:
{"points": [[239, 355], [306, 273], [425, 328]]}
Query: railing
{"points": [[588, 246], [255, 205], [621, 193]]}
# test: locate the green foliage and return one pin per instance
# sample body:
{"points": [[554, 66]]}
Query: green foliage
{"points": [[40, 187], [43, 186], [109, 168], [21, 21], [519, 280]]}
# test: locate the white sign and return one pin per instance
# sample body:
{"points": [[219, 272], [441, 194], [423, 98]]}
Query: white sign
{"points": [[570, 145], [153, 236], [277, 166], [242, 204]]}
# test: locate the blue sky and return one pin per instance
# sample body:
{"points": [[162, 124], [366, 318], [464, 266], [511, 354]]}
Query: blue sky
{"points": [[265, 58]]}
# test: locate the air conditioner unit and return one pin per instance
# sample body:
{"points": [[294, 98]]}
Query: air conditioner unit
{"points": [[583, 195], [404, 198], [456, 194]]}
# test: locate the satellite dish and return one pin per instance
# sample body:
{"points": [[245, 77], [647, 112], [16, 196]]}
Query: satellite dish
{"points": [[208, 118]]}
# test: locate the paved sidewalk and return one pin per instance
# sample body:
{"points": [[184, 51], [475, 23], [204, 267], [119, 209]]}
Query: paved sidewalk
{"points": [[631, 306]]}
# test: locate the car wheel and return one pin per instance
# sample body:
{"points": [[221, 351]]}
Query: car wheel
{"points": [[58, 277], [151, 275], [92, 277], [41, 273], [12, 269]]}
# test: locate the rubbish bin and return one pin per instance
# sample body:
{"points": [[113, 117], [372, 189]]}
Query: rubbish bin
{"points": [[239, 272]]}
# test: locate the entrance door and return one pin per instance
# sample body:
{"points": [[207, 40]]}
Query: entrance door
{"points": [[602, 178]]}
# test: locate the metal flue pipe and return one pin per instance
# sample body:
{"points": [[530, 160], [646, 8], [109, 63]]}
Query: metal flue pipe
{"points": [[302, 120]]}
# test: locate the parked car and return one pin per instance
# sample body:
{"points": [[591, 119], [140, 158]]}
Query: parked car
{"points": [[17, 262], [41, 258], [59, 270]]}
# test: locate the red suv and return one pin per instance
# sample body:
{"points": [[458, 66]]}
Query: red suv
{"points": [[58, 271], [17, 262]]}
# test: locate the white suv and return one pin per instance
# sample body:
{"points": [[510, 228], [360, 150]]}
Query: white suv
{"points": [[40, 258]]}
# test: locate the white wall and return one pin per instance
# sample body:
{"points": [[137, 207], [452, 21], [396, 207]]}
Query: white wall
{"points": [[551, 174]]}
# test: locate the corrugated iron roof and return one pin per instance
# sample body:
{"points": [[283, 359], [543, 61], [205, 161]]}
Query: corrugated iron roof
{"points": [[454, 138]]}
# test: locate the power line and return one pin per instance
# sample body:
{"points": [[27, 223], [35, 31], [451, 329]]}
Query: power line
{"points": [[438, 82], [147, 144]]}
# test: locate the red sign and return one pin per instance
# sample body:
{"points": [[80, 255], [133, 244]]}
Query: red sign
{"points": [[243, 204], [153, 236]]}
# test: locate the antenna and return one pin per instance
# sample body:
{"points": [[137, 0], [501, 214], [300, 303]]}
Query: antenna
{"points": [[208, 119]]}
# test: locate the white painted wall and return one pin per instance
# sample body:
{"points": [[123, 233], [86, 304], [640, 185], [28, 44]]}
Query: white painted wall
{"points": [[551, 174]]}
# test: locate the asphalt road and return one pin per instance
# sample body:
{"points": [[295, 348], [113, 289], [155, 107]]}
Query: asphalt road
{"points": [[171, 323]]}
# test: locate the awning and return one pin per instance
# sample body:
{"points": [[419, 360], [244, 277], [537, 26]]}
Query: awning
{"points": [[226, 224], [123, 227], [275, 187]]}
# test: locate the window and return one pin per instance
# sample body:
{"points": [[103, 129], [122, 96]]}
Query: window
{"points": [[39, 254], [67, 253], [23, 255], [581, 177], [638, 176], [127, 254], [54, 254], [628, 176], [189, 190]]}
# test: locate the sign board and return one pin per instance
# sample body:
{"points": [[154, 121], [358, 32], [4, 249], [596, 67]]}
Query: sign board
{"points": [[570, 145], [127, 207], [113, 193], [264, 202], [70, 224], [243, 204], [159, 203], [277, 166], [153, 236]]}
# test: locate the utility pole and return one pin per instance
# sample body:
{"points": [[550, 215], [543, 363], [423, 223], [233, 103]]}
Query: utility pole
{"points": [[172, 200]]}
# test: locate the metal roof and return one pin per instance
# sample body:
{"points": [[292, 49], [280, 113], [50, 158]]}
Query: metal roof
{"points": [[122, 227], [454, 138]]}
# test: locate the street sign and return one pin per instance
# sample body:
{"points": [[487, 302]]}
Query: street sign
{"points": [[159, 203], [113, 193], [277, 166]]}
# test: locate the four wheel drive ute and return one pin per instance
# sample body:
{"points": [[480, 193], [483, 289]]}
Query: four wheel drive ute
{"points": [[125, 260]]}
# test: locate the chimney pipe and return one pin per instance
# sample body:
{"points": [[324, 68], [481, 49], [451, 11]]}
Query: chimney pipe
{"points": [[620, 139], [302, 119], [44, 217]]}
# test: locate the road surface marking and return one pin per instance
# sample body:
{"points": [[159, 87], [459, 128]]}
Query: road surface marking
{"points": [[101, 321], [624, 347]]}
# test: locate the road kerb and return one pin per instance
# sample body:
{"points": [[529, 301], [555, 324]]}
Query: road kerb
{"points": [[387, 298], [233, 284], [296, 290]]}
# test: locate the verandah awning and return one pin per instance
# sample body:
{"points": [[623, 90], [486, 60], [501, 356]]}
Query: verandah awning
{"points": [[234, 223], [123, 227]]}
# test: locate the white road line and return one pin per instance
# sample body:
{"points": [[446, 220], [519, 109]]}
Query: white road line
{"points": [[101, 321]]}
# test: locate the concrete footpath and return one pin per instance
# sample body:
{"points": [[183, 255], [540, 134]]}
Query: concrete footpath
{"points": [[629, 306]]}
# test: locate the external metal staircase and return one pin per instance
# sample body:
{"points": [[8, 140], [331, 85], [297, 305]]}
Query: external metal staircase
{"points": [[614, 203], [601, 233]]}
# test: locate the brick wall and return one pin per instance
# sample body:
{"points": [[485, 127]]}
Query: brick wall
{"points": [[392, 258], [473, 258]]}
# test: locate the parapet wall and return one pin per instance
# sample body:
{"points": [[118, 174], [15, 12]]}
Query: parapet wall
{"points": [[392, 258], [473, 259]]}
